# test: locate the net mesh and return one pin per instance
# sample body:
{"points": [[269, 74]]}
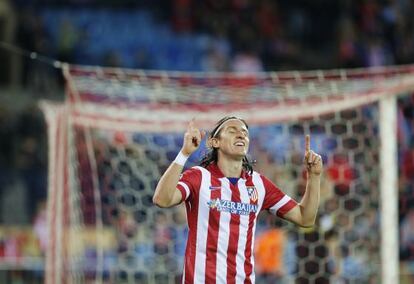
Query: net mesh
{"points": [[120, 129]]}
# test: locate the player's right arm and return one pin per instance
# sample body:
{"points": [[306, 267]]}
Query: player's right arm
{"points": [[166, 193]]}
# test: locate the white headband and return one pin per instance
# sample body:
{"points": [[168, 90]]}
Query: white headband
{"points": [[221, 126]]}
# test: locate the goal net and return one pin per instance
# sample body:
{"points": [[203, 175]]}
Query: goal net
{"points": [[119, 129]]}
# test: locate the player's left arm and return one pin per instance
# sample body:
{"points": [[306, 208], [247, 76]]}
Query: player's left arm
{"points": [[304, 214]]}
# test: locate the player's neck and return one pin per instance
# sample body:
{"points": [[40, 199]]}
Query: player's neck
{"points": [[230, 168]]}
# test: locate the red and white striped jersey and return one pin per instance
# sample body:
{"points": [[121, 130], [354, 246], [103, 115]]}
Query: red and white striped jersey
{"points": [[222, 221]]}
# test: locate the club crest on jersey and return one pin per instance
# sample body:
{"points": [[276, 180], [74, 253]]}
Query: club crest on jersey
{"points": [[253, 195]]}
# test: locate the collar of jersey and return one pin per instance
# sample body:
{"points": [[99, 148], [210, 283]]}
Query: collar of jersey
{"points": [[215, 170]]}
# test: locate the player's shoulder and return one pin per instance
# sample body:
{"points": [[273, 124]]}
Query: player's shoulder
{"points": [[195, 170], [191, 175], [266, 181]]}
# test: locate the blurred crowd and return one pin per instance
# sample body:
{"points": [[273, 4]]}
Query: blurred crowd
{"points": [[23, 164], [23, 192], [231, 35], [406, 181]]}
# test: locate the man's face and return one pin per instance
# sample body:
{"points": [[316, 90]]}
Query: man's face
{"points": [[233, 140]]}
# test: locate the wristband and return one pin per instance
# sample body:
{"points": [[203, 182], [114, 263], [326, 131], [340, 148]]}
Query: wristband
{"points": [[181, 159]]}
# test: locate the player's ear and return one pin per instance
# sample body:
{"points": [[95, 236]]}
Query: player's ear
{"points": [[213, 142]]}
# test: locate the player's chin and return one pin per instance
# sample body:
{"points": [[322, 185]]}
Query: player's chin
{"points": [[240, 154]]}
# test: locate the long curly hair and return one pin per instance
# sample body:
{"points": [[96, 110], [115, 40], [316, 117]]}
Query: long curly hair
{"points": [[212, 154]]}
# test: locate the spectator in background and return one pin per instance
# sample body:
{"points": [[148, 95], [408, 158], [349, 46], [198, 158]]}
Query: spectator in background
{"points": [[269, 252], [40, 226], [215, 61], [33, 35], [406, 154], [341, 173], [407, 234], [405, 117], [407, 242], [112, 58], [246, 58], [333, 259], [405, 43], [368, 16], [216, 58], [247, 61], [162, 234], [31, 156], [351, 268], [6, 147], [267, 19], [182, 15], [67, 41], [377, 52], [348, 46], [407, 163], [26, 38], [179, 234], [142, 59]]}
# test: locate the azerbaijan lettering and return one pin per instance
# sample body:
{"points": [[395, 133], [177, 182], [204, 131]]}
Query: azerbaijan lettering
{"points": [[232, 207]]}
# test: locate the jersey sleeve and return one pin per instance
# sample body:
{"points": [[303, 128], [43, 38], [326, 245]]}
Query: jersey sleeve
{"points": [[189, 183], [276, 201]]}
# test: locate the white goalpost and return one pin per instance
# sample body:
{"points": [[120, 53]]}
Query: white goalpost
{"points": [[118, 129], [389, 190]]}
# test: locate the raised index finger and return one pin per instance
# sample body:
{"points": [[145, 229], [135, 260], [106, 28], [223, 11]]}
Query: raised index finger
{"points": [[307, 143], [191, 125]]}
